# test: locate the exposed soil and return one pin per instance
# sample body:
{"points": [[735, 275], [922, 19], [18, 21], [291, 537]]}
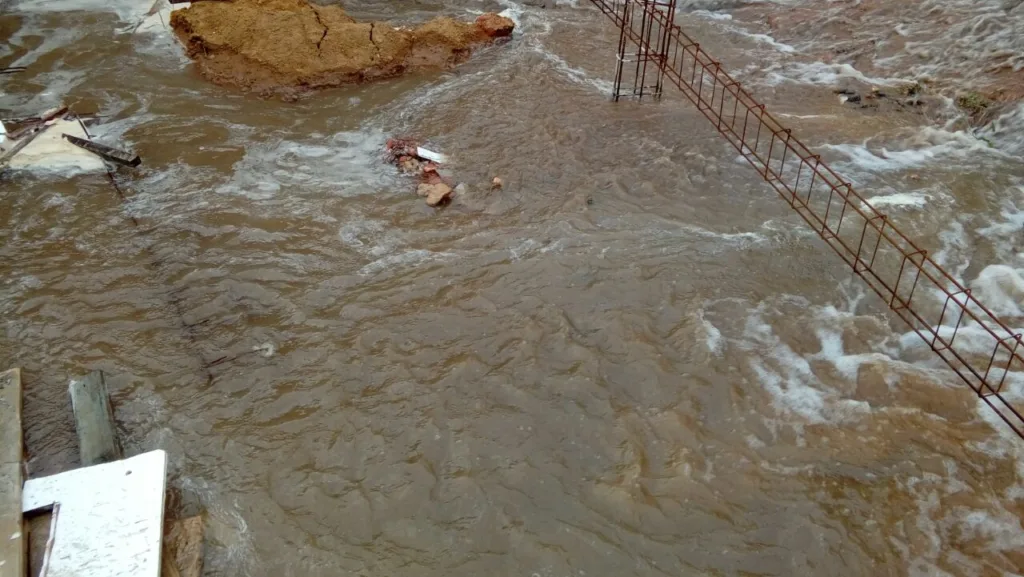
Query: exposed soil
{"points": [[286, 47]]}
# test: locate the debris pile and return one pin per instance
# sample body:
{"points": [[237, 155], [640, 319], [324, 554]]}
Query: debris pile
{"points": [[411, 158], [286, 47], [56, 140], [908, 96]]}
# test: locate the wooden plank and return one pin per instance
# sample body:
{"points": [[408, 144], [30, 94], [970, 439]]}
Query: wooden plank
{"points": [[94, 420], [106, 152], [183, 548], [110, 517], [12, 528], [39, 123]]}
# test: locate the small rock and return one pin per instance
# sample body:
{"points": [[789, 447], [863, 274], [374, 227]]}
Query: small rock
{"points": [[438, 193], [408, 164], [497, 182], [495, 26]]}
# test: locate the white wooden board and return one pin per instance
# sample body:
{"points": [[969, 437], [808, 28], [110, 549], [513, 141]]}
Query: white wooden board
{"points": [[111, 516], [49, 151]]}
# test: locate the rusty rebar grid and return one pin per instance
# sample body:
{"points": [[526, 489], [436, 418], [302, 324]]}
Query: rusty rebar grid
{"points": [[648, 60], [891, 264]]}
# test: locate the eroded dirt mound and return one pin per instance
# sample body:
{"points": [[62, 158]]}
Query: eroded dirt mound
{"points": [[286, 46]]}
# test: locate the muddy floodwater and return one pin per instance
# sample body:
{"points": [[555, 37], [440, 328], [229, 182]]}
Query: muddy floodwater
{"points": [[631, 359]]}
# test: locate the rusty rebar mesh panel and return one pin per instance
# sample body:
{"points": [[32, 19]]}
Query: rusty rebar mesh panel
{"points": [[962, 331]]}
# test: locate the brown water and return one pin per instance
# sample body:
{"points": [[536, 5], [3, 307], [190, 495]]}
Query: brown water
{"points": [[631, 360]]}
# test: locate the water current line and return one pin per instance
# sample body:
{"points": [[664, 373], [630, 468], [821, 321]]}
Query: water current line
{"points": [[879, 253]]}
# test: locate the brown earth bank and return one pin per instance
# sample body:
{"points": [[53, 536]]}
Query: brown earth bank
{"points": [[287, 47]]}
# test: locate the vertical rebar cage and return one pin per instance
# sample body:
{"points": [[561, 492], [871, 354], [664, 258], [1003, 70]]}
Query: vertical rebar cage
{"points": [[652, 49], [645, 27]]}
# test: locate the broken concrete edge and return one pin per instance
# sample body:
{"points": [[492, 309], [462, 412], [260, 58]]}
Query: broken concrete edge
{"points": [[13, 545]]}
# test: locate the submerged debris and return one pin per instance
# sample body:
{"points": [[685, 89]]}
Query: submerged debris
{"points": [[973, 103], [435, 193], [55, 139], [412, 158], [285, 47]]}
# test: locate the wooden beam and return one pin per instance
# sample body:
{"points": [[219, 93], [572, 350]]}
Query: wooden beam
{"points": [[94, 420], [12, 527], [106, 152]]}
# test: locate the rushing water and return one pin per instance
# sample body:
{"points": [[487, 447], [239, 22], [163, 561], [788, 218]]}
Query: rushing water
{"points": [[633, 359]]}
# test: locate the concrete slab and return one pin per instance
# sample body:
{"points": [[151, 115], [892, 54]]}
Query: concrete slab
{"points": [[12, 540], [109, 517], [50, 152]]}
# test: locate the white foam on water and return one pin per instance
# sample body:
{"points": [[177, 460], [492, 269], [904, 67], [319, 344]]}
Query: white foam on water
{"points": [[971, 339], [404, 259], [514, 12], [127, 10], [577, 75], [1000, 529], [345, 164], [373, 238], [718, 5], [769, 40], [954, 254], [833, 349], [58, 84], [712, 15], [53, 39], [923, 146], [1001, 289], [1005, 231], [788, 378], [823, 74], [1007, 130], [712, 336], [915, 200]]}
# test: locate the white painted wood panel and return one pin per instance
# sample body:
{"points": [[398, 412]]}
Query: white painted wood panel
{"points": [[110, 521]]}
